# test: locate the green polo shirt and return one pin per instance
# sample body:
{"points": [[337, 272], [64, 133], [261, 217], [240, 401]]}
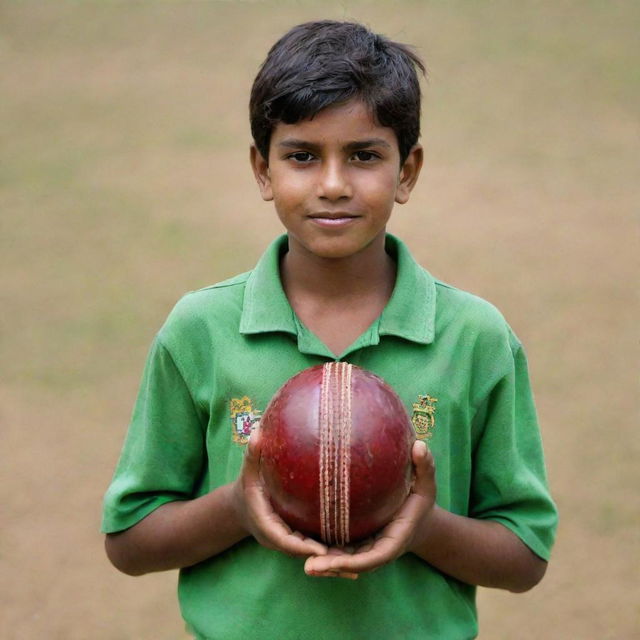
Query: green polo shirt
{"points": [[214, 365]]}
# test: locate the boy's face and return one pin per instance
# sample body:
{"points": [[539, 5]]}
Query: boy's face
{"points": [[334, 179]]}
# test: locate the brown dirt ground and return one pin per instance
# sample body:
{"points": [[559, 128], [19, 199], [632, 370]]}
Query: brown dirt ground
{"points": [[124, 183]]}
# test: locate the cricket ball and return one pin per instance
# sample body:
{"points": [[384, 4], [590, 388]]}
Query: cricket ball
{"points": [[336, 452]]}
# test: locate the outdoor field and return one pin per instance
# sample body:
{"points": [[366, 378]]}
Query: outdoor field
{"points": [[125, 182]]}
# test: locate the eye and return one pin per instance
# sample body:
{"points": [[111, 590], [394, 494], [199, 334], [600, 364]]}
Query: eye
{"points": [[365, 156], [300, 156]]}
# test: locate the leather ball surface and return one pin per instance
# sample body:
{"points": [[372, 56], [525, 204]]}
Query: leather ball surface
{"points": [[336, 452]]}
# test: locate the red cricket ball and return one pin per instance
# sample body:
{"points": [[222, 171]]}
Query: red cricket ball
{"points": [[336, 452]]}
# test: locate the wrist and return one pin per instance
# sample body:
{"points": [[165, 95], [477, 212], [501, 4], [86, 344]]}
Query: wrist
{"points": [[236, 507], [425, 529]]}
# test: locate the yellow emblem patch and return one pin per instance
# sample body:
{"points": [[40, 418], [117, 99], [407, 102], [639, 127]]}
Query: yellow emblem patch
{"points": [[424, 416], [244, 419]]}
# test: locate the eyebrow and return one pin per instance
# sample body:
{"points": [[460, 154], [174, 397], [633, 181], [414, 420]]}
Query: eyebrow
{"points": [[356, 145]]}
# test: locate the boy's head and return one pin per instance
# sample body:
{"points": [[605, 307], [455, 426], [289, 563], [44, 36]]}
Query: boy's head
{"points": [[318, 64]]}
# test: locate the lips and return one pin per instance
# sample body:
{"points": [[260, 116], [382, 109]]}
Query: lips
{"points": [[333, 220], [339, 215]]}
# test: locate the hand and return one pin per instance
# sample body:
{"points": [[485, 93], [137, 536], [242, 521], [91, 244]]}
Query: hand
{"points": [[396, 538], [257, 515]]}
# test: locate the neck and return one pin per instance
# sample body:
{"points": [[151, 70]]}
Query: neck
{"points": [[369, 272]]}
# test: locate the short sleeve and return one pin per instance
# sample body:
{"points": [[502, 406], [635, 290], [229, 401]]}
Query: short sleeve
{"points": [[163, 455], [509, 478]]}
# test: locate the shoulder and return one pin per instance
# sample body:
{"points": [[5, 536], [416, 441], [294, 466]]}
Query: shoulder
{"points": [[216, 295], [474, 317], [218, 305], [475, 336]]}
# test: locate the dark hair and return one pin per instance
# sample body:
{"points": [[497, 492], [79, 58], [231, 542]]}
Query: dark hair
{"points": [[317, 64]]}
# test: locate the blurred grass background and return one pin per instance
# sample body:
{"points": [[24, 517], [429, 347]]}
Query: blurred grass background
{"points": [[124, 182]]}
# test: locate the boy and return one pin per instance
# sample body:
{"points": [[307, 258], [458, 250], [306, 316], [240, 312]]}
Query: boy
{"points": [[335, 120]]}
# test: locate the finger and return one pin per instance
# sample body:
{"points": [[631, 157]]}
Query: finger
{"points": [[382, 552], [320, 567], [335, 574], [311, 543], [273, 532], [253, 449], [295, 545], [348, 576], [424, 466]]}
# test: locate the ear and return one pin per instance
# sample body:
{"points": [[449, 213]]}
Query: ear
{"points": [[409, 173], [261, 171]]}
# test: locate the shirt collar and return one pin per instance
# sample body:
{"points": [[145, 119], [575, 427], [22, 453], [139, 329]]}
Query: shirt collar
{"points": [[409, 314], [411, 310], [265, 307]]}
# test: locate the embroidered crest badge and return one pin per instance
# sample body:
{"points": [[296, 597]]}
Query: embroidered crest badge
{"points": [[244, 419], [424, 416]]}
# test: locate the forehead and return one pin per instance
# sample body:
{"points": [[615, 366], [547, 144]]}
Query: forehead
{"points": [[338, 124]]}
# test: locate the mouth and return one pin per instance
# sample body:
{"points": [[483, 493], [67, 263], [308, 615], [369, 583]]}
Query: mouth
{"points": [[333, 219]]}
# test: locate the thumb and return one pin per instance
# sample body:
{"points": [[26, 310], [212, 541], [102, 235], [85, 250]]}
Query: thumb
{"points": [[252, 454], [425, 468]]}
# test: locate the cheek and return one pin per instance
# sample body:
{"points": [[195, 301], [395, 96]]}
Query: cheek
{"points": [[379, 190], [288, 191]]}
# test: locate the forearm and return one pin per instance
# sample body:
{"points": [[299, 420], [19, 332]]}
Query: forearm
{"points": [[178, 534], [181, 534], [478, 552]]}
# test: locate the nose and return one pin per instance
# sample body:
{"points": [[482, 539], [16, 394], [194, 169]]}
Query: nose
{"points": [[334, 183]]}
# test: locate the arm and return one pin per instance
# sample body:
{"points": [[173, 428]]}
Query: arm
{"points": [[177, 534], [478, 552], [183, 533]]}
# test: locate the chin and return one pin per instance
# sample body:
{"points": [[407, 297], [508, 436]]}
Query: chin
{"points": [[335, 248], [334, 251]]}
